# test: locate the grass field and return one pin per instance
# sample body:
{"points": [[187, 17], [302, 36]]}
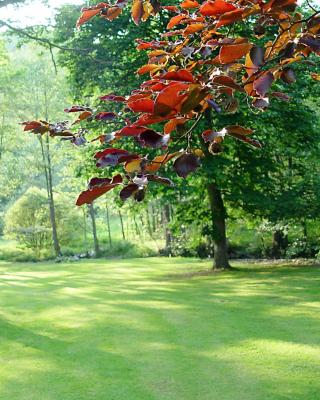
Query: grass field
{"points": [[144, 329]]}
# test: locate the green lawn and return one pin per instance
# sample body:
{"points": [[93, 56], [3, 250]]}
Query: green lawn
{"points": [[146, 330]]}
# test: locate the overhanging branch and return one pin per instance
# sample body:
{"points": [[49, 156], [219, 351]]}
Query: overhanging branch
{"points": [[49, 44]]}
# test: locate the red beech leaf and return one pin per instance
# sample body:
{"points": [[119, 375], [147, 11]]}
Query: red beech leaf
{"points": [[254, 60], [227, 81], [182, 75], [176, 20], [97, 188], [193, 28], [98, 182], [280, 95], [142, 105], [230, 17], [169, 98], [246, 139], [105, 116], [76, 109], [154, 44], [36, 126], [186, 164], [111, 157], [128, 191], [89, 12], [262, 84], [260, 103], [137, 11], [193, 99], [237, 129], [288, 76], [111, 13], [152, 139], [131, 131], [171, 125], [159, 161], [213, 136], [147, 119], [189, 4], [148, 68], [159, 179], [315, 76], [110, 150], [84, 115], [233, 52], [171, 8], [113, 97], [215, 8]]}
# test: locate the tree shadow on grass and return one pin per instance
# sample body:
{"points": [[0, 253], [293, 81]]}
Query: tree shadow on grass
{"points": [[125, 332]]}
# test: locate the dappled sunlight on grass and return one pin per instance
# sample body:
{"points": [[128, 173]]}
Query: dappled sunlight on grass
{"points": [[157, 329]]}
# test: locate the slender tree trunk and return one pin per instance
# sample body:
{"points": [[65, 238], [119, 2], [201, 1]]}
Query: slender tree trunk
{"points": [[218, 214], [46, 158], [56, 242], [136, 225], [154, 217], [149, 226], [109, 228], [2, 136], [85, 237], [122, 226], [167, 231], [94, 230]]}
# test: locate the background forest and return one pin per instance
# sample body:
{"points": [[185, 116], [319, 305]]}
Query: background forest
{"points": [[269, 198]]}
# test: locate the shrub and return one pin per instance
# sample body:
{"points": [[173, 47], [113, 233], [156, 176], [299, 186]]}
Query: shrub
{"points": [[28, 221]]}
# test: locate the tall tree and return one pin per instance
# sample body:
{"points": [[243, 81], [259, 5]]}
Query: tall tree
{"points": [[203, 65]]}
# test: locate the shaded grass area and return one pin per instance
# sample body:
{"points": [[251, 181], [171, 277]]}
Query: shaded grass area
{"points": [[143, 329]]}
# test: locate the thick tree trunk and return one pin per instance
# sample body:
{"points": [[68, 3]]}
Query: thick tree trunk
{"points": [[94, 230], [218, 215], [279, 243]]}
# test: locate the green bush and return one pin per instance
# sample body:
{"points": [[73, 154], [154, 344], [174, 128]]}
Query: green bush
{"points": [[126, 249], [28, 221]]}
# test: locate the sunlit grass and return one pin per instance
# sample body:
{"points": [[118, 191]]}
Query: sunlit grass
{"points": [[147, 329]]}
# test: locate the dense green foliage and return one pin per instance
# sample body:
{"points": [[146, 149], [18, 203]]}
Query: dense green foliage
{"points": [[28, 221]]}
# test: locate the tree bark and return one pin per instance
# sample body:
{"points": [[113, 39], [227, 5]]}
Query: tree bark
{"points": [[167, 231], [49, 184], [279, 243], [218, 215], [94, 230], [122, 226], [109, 227]]}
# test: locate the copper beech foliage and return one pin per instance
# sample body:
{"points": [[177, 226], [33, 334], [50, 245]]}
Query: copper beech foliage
{"points": [[200, 63]]}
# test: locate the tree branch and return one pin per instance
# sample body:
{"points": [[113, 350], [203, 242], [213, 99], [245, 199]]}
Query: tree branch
{"points": [[49, 44]]}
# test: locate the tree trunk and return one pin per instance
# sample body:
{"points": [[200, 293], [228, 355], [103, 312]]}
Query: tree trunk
{"points": [[279, 243], [109, 227], [167, 231], [46, 158], [94, 230], [122, 226], [218, 215]]}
